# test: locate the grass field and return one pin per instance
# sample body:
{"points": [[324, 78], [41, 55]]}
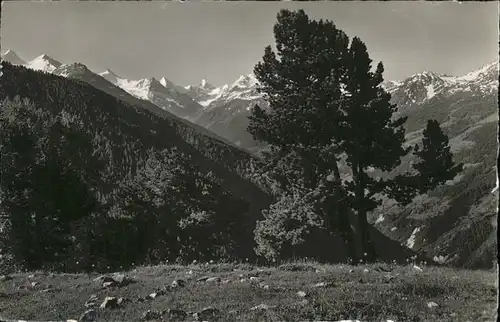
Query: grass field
{"points": [[376, 292]]}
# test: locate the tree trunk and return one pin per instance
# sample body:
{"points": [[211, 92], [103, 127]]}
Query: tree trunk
{"points": [[364, 229], [342, 211], [368, 249]]}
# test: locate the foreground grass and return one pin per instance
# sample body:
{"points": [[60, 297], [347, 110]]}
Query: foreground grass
{"points": [[377, 292]]}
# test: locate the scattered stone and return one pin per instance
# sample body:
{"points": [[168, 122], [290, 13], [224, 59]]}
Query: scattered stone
{"points": [[301, 294], [88, 316], [92, 301], [110, 302], [103, 279], [432, 305], [262, 307], [323, 284], [4, 278], [113, 280], [208, 313], [121, 301], [351, 271], [47, 290], [264, 286], [203, 279], [108, 284], [243, 280], [253, 278], [318, 270], [119, 278], [178, 283], [176, 315], [152, 296], [31, 276], [213, 279], [190, 272], [33, 284], [151, 315], [418, 269], [365, 270]]}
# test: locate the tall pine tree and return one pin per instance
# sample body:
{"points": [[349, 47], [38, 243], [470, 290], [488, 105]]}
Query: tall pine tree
{"points": [[326, 105]]}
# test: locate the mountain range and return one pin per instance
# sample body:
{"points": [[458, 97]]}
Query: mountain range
{"points": [[438, 224]]}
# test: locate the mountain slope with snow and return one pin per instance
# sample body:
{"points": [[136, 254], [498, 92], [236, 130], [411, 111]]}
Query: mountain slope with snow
{"points": [[226, 110], [12, 57], [163, 93], [43, 63], [456, 223]]}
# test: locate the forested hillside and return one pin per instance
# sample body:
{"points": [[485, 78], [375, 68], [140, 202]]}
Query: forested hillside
{"points": [[139, 184]]}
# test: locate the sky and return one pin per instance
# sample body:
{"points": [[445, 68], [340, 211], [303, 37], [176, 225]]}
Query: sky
{"points": [[219, 41]]}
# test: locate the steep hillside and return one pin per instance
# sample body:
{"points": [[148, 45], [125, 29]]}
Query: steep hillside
{"points": [[129, 132], [454, 224]]}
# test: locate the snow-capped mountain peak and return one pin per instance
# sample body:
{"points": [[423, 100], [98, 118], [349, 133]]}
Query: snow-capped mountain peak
{"points": [[488, 70], [425, 85], [43, 63], [11, 57], [245, 81], [165, 82], [108, 72], [110, 76], [70, 69]]}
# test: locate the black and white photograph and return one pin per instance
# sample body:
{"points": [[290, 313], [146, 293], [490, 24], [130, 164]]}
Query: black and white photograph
{"points": [[249, 161]]}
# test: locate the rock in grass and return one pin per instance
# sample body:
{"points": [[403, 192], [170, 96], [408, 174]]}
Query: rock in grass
{"points": [[323, 285], [113, 280], [213, 280], [432, 305], [108, 284], [262, 307], [92, 301], [178, 283], [203, 279], [121, 301], [301, 294], [110, 302], [88, 316]]}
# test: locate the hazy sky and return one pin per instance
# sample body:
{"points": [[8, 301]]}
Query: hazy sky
{"points": [[219, 41]]}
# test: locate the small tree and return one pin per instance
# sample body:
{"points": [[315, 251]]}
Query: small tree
{"points": [[436, 160], [327, 107]]}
